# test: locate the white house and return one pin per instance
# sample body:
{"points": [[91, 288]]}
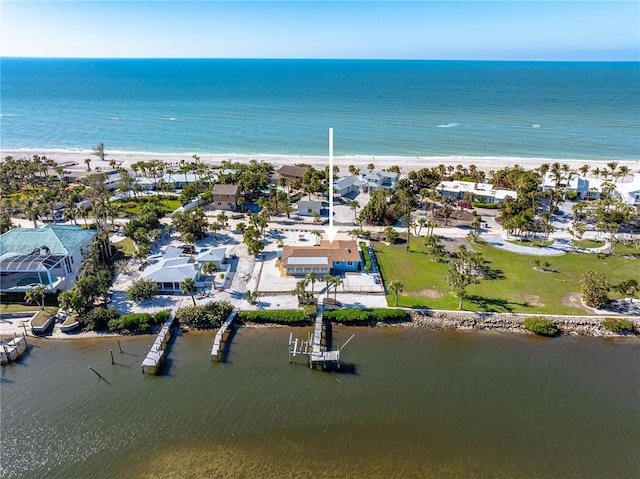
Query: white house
{"points": [[308, 208], [51, 256], [374, 180], [169, 268], [216, 256], [481, 192], [629, 192], [345, 185]]}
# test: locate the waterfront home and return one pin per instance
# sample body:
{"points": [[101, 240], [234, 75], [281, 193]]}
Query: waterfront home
{"points": [[51, 256], [629, 193], [169, 268], [225, 197], [375, 180], [584, 188], [217, 256], [308, 208], [292, 173], [345, 185], [337, 257], [479, 192]]}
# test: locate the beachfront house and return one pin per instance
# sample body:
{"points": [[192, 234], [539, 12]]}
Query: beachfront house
{"points": [[51, 256], [479, 192], [291, 173], [225, 197], [376, 180], [346, 185], [335, 257], [629, 193]]}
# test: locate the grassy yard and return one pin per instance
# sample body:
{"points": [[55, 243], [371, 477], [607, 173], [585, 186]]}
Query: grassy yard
{"points": [[132, 208], [21, 308], [512, 284], [126, 246]]}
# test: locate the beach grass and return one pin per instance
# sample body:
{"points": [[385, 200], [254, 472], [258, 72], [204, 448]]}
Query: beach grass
{"points": [[513, 283]]}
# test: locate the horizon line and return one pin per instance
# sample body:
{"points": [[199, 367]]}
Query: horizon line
{"points": [[513, 60]]}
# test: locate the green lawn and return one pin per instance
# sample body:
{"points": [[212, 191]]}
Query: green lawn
{"points": [[126, 246], [132, 207], [589, 243], [512, 284], [21, 308]]}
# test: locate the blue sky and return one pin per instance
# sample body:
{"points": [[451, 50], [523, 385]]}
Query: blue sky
{"points": [[477, 30]]}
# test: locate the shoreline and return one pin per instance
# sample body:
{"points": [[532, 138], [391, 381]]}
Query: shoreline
{"points": [[486, 163], [469, 321]]}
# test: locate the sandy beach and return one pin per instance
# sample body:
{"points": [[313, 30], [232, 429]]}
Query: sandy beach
{"points": [[488, 163]]}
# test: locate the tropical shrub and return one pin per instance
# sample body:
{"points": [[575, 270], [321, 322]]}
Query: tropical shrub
{"points": [[206, 316], [141, 290], [132, 322], [595, 286], [541, 326], [617, 325], [98, 319], [365, 255], [365, 315], [161, 316], [284, 316]]}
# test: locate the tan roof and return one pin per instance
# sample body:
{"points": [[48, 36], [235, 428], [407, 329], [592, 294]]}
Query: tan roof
{"points": [[339, 250], [294, 171], [220, 189]]}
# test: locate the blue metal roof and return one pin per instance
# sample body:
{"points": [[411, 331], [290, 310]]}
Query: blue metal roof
{"points": [[58, 239]]}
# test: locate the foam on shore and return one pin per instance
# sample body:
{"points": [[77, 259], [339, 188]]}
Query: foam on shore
{"points": [[485, 163]]}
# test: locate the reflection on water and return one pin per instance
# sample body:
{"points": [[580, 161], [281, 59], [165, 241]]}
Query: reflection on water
{"points": [[409, 404]]}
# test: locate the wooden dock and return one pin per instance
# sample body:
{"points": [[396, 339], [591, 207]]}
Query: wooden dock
{"points": [[313, 347], [152, 363], [218, 340]]}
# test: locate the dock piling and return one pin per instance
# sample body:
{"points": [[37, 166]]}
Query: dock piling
{"points": [[112, 361], [119, 347]]}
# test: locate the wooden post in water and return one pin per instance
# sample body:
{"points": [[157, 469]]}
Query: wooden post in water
{"points": [[99, 375], [119, 347], [25, 339], [112, 361]]}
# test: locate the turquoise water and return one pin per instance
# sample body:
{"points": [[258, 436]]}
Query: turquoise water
{"points": [[408, 108], [407, 404]]}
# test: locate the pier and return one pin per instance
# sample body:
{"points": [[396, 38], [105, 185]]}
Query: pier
{"points": [[313, 346], [155, 358], [218, 340]]}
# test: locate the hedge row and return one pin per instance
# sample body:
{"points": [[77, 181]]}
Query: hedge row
{"points": [[617, 325], [286, 316], [365, 315], [365, 255]]}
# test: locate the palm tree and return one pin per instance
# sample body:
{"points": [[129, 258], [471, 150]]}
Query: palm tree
{"points": [[87, 161], [311, 278], [36, 294], [210, 268], [612, 165], [623, 171], [98, 151], [336, 281], [584, 169], [188, 286], [396, 287], [241, 201], [354, 205]]}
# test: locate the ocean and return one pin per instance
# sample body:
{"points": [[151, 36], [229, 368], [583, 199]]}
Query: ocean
{"points": [[557, 110]]}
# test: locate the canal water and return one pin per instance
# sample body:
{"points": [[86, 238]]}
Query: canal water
{"points": [[407, 403]]}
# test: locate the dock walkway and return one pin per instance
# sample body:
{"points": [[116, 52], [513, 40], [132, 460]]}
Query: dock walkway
{"points": [[154, 359], [217, 341]]}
